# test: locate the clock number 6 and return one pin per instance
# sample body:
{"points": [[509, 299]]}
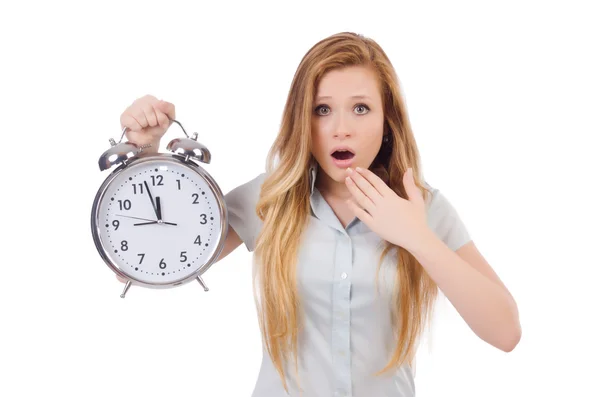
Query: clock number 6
{"points": [[162, 263]]}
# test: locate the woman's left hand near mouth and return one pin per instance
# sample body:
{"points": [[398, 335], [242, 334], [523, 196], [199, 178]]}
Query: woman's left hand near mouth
{"points": [[401, 222]]}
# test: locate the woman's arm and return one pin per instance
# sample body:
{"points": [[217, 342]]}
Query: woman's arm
{"points": [[475, 291], [231, 243]]}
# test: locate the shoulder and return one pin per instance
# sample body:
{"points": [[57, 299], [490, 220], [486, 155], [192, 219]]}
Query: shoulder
{"points": [[245, 196], [444, 219], [436, 200], [241, 208], [251, 184]]}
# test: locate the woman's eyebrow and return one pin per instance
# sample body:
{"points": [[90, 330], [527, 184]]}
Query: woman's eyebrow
{"points": [[354, 96]]}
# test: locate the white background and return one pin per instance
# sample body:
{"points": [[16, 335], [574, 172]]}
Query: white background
{"points": [[503, 98]]}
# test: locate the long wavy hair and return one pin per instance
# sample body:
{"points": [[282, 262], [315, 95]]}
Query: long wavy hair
{"points": [[284, 204]]}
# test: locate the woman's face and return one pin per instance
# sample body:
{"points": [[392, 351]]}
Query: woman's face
{"points": [[347, 121]]}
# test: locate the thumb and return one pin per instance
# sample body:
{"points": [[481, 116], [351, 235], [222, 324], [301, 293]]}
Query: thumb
{"points": [[412, 190], [167, 108]]}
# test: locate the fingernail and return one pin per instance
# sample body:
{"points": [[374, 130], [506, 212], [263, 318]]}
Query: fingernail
{"points": [[359, 169], [349, 170]]}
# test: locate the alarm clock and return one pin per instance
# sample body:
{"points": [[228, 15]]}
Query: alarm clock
{"points": [[159, 221]]}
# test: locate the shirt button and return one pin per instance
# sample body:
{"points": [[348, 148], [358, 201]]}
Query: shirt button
{"points": [[344, 275]]}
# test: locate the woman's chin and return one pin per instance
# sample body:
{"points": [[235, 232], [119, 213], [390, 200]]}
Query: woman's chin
{"points": [[337, 174]]}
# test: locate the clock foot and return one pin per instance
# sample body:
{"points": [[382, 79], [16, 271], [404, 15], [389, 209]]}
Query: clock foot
{"points": [[126, 289], [202, 283]]}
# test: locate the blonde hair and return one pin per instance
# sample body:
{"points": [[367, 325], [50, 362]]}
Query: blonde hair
{"points": [[284, 203]]}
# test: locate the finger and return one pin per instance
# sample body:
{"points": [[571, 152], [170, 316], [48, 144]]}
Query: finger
{"points": [[129, 122], [366, 187], [359, 212], [140, 117], [377, 183], [166, 107], [150, 116], [362, 200], [413, 192], [162, 118]]}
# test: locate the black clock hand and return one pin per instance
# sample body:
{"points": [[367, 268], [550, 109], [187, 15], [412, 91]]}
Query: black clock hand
{"points": [[154, 222], [151, 199], [158, 209]]}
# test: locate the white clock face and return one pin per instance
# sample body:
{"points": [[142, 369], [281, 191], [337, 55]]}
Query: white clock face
{"points": [[159, 221]]}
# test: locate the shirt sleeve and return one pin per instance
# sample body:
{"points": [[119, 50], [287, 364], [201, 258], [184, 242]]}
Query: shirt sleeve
{"points": [[241, 210], [444, 220]]}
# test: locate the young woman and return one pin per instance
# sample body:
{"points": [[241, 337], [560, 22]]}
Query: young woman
{"points": [[350, 244]]}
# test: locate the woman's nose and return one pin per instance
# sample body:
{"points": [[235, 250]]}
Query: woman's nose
{"points": [[342, 126]]}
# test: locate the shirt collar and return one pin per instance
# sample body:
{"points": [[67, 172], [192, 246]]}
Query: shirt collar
{"points": [[313, 176], [319, 206]]}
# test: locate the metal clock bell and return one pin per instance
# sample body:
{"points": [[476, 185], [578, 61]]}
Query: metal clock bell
{"points": [[159, 221]]}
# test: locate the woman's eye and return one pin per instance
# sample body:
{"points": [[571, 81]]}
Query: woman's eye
{"points": [[323, 110], [365, 107], [319, 108]]}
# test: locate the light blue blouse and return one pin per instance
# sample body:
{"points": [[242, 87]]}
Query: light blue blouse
{"points": [[347, 334]]}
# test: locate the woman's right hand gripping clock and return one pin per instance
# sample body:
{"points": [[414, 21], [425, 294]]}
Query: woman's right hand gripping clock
{"points": [[147, 120]]}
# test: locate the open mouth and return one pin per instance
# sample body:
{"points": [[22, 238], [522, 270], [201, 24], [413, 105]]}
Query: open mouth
{"points": [[342, 155]]}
